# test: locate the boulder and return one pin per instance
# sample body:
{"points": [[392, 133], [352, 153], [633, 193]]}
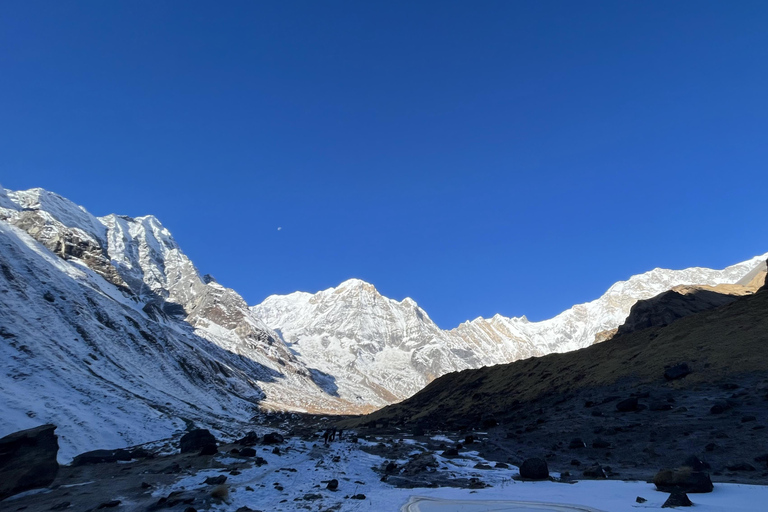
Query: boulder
{"points": [[28, 460], [101, 456], [273, 438], [677, 372], [683, 479], [534, 469], [677, 499], [576, 443], [248, 452], [250, 439], [215, 480], [196, 440], [628, 405], [595, 471], [333, 485]]}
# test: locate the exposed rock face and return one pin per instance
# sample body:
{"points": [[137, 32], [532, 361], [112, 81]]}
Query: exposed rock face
{"points": [[28, 460]]}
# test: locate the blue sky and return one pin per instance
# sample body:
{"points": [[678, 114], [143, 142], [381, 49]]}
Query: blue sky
{"points": [[480, 157]]}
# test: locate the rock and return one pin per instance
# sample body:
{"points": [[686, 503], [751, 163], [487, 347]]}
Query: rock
{"points": [[628, 405], [28, 460], [575, 462], [451, 452], [719, 408], [109, 504], [482, 465], [273, 438], [250, 439], [312, 497], [695, 463], [421, 463], [192, 509], [677, 499], [710, 447], [595, 471], [196, 440], [640, 500], [248, 452], [683, 479], [61, 506], [743, 466], [333, 485], [534, 469], [101, 456], [145, 485], [469, 439], [661, 406], [501, 465], [276, 450], [600, 443], [215, 480], [357, 496], [576, 443], [677, 372], [209, 449], [259, 461], [747, 419]]}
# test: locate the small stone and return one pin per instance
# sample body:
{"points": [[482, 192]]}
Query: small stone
{"points": [[534, 469], [333, 485], [358, 496], [640, 500], [215, 480]]}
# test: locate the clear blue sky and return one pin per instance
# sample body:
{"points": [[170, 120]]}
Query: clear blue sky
{"points": [[481, 157]]}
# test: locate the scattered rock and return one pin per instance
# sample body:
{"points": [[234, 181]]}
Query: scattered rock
{"points": [[534, 469], [196, 440], [695, 463], [273, 438], [640, 500], [333, 485], [719, 408], [276, 450], [595, 471], [576, 443], [600, 443], [28, 460], [501, 465], [628, 405], [215, 480], [747, 419], [743, 466], [451, 452], [248, 452], [250, 439], [677, 372], [575, 462], [677, 499], [312, 497], [101, 456], [683, 479], [357, 496], [109, 504]]}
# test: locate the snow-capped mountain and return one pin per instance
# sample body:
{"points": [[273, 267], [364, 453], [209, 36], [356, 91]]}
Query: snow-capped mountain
{"points": [[109, 331], [381, 350]]}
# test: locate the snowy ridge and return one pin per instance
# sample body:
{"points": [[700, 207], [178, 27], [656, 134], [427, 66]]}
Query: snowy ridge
{"points": [[392, 349], [108, 331]]}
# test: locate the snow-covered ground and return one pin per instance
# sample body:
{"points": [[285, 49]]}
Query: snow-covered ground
{"points": [[297, 480]]}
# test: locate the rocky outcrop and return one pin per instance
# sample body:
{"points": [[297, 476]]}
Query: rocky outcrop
{"points": [[28, 460]]}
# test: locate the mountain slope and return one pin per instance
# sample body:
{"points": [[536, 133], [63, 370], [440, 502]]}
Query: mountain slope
{"points": [[380, 350]]}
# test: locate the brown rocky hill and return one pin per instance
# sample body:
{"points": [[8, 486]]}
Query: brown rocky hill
{"points": [[615, 397]]}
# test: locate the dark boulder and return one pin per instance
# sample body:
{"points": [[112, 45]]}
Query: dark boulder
{"points": [[209, 449], [576, 443], [628, 405], [451, 452], [677, 372], [683, 479], [101, 456], [248, 452], [333, 485], [695, 463], [28, 460], [215, 480], [534, 469], [677, 499], [595, 471], [196, 440], [720, 408], [273, 438], [249, 439]]}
